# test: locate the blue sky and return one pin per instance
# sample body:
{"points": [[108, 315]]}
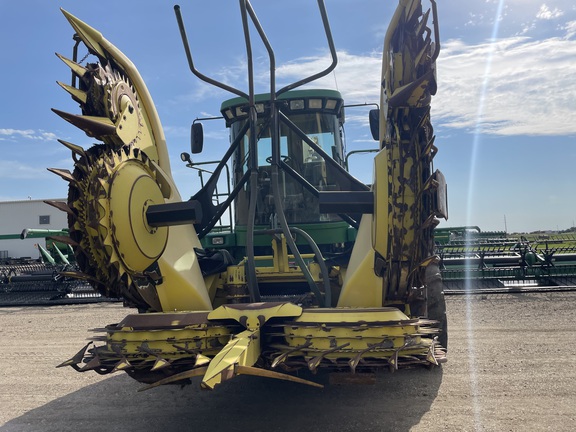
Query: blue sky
{"points": [[504, 115]]}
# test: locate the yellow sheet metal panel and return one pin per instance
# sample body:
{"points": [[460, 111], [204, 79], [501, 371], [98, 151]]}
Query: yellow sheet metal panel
{"points": [[243, 350], [255, 315], [132, 191], [361, 287], [380, 229], [183, 286]]}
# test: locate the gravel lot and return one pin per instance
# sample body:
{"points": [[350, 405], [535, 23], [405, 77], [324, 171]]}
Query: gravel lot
{"points": [[511, 367]]}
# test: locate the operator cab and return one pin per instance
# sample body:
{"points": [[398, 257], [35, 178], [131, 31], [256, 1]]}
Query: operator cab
{"points": [[316, 113], [310, 165]]}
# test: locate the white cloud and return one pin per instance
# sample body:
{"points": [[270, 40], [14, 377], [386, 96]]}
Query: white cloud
{"points": [[570, 28], [28, 134], [530, 89], [11, 132], [546, 13], [49, 136], [356, 77]]}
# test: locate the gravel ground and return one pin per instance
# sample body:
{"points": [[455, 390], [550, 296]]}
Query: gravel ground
{"points": [[511, 367]]}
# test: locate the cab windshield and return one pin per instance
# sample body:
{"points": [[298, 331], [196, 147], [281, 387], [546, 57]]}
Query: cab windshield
{"points": [[300, 206]]}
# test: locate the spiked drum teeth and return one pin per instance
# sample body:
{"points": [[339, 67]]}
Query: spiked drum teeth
{"points": [[113, 183], [108, 196], [110, 106]]}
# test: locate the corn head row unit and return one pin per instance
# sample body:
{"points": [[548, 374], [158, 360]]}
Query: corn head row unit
{"points": [[317, 270]]}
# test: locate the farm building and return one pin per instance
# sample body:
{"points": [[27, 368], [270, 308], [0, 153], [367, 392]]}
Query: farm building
{"points": [[16, 216]]}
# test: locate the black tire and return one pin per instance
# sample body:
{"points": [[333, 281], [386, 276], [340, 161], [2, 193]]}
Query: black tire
{"points": [[436, 302]]}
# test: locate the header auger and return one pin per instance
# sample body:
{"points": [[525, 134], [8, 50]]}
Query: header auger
{"points": [[316, 270]]}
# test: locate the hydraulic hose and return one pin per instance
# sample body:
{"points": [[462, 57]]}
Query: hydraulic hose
{"points": [[291, 243], [317, 253]]}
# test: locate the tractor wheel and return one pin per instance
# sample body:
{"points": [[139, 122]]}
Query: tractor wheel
{"points": [[436, 302]]}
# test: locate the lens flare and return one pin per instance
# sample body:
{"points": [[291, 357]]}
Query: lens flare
{"points": [[471, 183]]}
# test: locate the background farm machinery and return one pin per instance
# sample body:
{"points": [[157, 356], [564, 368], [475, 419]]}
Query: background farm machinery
{"points": [[472, 260], [476, 260], [44, 280]]}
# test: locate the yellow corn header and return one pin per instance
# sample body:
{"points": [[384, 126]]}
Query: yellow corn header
{"points": [[315, 270]]}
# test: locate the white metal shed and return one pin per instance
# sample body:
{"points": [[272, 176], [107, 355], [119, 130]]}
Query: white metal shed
{"points": [[15, 216]]}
